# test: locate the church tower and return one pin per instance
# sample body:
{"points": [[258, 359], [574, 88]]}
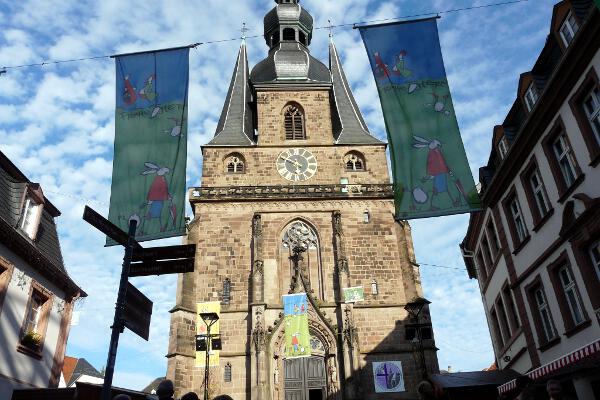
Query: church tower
{"points": [[295, 197]]}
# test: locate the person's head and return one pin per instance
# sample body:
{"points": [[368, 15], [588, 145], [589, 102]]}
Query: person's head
{"points": [[121, 397], [554, 389], [190, 396], [165, 389], [425, 390]]}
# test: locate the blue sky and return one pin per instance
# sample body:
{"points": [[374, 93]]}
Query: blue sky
{"points": [[57, 125]]}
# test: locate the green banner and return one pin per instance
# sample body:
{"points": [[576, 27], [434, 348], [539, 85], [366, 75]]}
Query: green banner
{"points": [[297, 335], [430, 168], [149, 178]]}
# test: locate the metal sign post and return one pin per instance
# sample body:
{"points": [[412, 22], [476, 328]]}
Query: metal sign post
{"points": [[119, 323], [134, 310]]}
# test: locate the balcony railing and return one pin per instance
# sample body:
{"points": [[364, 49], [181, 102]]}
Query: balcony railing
{"points": [[291, 192]]}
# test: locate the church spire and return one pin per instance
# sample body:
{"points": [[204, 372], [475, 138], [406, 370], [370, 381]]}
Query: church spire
{"points": [[349, 126], [235, 127]]}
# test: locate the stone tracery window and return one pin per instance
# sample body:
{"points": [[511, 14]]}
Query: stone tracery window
{"points": [[235, 164], [299, 233], [354, 161], [294, 122]]}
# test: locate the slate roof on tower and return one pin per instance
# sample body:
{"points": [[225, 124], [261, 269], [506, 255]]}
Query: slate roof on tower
{"points": [[349, 126], [236, 125]]}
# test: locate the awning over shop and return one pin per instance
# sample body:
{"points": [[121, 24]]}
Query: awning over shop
{"points": [[571, 359]]}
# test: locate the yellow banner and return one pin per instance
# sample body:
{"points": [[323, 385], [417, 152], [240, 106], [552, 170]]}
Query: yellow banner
{"points": [[213, 306]]}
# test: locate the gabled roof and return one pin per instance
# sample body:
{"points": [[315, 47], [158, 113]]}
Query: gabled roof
{"points": [[83, 368], [349, 126], [236, 125], [43, 253]]}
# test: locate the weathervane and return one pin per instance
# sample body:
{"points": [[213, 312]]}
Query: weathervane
{"points": [[244, 30], [330, 27]]}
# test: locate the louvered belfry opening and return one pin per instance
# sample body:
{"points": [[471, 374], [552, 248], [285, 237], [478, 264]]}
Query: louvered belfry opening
{"points": [[294, 123]]}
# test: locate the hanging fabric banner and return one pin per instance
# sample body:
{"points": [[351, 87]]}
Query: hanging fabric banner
{"points": [[202, 329], [297, 335], [148, 182], [429, 165]]}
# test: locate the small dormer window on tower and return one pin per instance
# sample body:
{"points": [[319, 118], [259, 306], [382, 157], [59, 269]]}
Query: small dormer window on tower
{"points": [[294, 122]]}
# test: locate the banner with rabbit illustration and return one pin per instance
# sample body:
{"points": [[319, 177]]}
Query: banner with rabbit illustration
{"points": [[430, 168], [297, 335], [149, 177]]}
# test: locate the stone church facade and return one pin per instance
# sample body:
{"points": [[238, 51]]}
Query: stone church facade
{"points": [[295, 197]]}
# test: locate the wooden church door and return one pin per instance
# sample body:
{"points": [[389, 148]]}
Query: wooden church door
{"points": [[305, 378]]}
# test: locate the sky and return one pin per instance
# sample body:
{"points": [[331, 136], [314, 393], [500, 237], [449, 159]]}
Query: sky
{"points": [[57, 126]]}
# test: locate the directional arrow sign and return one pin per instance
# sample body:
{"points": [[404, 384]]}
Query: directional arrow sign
{"points": [[162, 267], [106, 227], [165, 253], [138, 312]]}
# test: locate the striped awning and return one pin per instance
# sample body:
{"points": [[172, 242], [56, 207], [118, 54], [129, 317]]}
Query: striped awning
{"points": [[562, 362]]}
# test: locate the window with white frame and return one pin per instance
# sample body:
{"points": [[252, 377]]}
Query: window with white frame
{"points": [[531, 97], [30, 217], [595, 254], [492, 237], [503, 147], [571, 294], [591, 106], [543, 309], [539, 192], [568, 29], [34, 313], [517, 217], [564, 156]]}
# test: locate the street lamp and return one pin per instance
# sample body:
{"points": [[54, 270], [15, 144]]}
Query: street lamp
{"points": [[209, 318], [414, 309]]}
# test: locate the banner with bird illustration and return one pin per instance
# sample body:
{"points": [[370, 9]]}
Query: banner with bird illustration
{"points": [[297, 335], [429, 165], [149, 167]]}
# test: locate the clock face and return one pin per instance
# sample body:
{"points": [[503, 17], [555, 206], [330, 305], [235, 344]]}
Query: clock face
{"points": [[296, 165]]}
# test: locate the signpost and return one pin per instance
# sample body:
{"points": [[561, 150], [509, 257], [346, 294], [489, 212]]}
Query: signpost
{"points": [[138, 312], [150, 268], [134, 310]]}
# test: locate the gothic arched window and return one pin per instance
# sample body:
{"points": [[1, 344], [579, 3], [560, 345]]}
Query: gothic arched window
{"points": [[300, 234], [294, 122], [235, 164], [354, 161]]}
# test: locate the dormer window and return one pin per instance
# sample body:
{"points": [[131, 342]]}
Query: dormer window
{"points": [[503, 148], [31, 211], [531, 97], [568, 29]]}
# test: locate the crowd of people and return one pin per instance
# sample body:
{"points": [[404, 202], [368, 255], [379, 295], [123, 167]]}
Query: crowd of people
{"points": [[166, 391]]}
